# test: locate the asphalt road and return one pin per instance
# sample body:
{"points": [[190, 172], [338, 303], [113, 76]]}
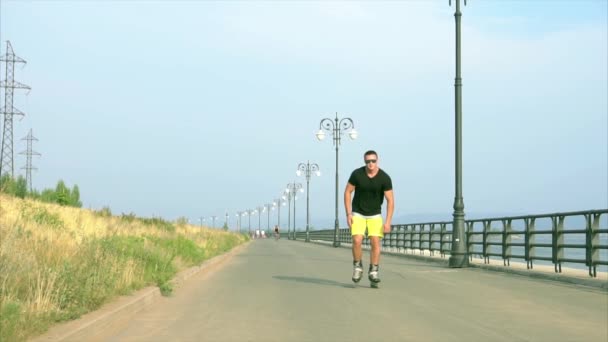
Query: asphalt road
{"points": [[292, 291]]}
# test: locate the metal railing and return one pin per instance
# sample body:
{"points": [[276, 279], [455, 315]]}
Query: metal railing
{"points": [[571, 237]]}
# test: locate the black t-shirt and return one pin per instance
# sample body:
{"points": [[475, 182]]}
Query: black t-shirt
{"points": [[369, 192]]}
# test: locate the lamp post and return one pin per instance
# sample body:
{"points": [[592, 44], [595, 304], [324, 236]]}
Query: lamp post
{"points": [[268, 207], [288, 196], [249, 212], [458, 255], [292, 189], [213, 218], [336, 128], [201, 218], [278, 202], [308, 169], [226, 221], [260, 210], [239, 214]]}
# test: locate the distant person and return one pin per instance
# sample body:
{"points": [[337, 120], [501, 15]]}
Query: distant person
{"points": [[371, 186], [277, 235]]}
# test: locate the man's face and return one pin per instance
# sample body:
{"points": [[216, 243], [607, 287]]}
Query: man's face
{"points": [[371, 162]]}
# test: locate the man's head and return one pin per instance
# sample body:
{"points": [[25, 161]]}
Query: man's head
{"points": [[371, 160]]}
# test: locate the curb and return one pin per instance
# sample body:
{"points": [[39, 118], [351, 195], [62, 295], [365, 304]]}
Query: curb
{"points": [[589, 282], [594, 283], [124, 308]]}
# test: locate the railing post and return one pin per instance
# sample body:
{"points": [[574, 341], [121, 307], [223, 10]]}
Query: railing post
{"points": [[485, 246], [506, 242], [420, 232], [470, 230], [595, 242], [560, 241], [555, 241], [400, 241], [431, 233], [443, 234], [528, 240]]}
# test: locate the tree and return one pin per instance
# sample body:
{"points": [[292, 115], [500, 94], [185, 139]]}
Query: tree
{"points": [[75, 197], [16, 187], [20, 187], [48, 196], [62, 193]]}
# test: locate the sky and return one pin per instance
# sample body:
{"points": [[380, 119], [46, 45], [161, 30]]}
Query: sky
{"points": [[201, 108]]}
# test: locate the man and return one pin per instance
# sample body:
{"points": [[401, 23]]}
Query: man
{"points": [[371, 186]]}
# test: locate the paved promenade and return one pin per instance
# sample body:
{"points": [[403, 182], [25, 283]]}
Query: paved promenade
{"points": [[292, 291]]}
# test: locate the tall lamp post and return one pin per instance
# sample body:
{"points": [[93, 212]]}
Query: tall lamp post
{"points": [[308, 169], [288, 196], [213, 218], [458, 255], [260, 210], [268, 207], [336, 127], [278, 203], [249, 212], [292, 189], [239, 214]]}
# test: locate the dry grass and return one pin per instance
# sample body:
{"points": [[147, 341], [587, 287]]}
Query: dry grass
{"points": [[57, 263]]}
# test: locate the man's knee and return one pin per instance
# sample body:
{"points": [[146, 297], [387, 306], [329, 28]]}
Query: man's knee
{"points": [[374, 241], [357, 240]]}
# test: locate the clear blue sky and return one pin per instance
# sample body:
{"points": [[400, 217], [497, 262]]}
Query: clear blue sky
{"points": [[193, 108]]}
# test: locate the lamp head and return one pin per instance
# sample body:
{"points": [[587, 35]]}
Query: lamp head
{"points": [[320, 135]]}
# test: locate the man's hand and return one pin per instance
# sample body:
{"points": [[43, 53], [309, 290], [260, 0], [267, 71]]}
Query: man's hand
{"points": [[349, 221], [387, 227]]}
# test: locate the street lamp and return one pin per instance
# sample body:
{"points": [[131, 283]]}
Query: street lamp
{"points": [[268, 207], [292, 189], [336, 128], [249, 212], [458, 255], [213, 218], [239, 214], [278, 202], [288, 196], [201, 218], [260, 210], [308, 169]]}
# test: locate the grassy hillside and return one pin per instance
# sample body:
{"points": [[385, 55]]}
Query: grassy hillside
{"points": [[57, 263]]}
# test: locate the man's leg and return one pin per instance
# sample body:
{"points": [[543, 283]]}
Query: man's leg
{"points": [[375, 254], [357, 256], [375, 228], [357, 230], [374, 260], [357, 252]]}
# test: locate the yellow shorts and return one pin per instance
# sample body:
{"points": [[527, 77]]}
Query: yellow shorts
{"points": [[373, 225]]}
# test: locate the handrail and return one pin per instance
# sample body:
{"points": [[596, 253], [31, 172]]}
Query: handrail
{"points": [[497, 242]]}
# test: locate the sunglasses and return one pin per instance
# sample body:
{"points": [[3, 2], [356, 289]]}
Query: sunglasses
{"points": [[370, 161]]}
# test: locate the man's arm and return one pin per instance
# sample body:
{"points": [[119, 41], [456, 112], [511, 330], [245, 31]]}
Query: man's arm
{"points": [[390, 208], [348, 203]]}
